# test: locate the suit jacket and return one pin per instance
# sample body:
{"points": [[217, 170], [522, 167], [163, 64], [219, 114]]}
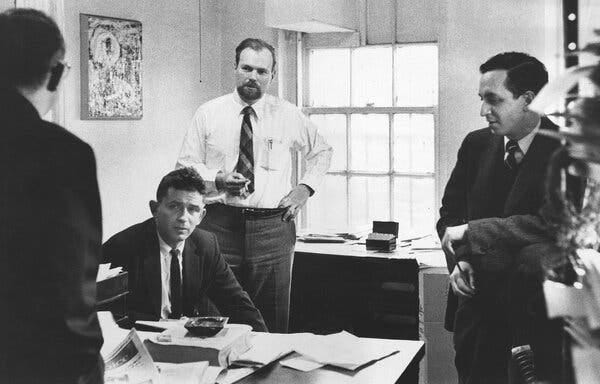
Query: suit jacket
{"points": [[206, 274], [50, 244], [491, 241]]}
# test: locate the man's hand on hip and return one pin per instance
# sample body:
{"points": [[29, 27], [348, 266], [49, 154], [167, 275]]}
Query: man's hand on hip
{"points": [[293, 201], [451, 236], [233, 183]]}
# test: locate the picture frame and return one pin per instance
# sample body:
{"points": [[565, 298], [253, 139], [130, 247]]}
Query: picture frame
{"points": [[111, 68]]}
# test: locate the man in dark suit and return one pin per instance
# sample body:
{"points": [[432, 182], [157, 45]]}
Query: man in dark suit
{"points": [[490, 210], [174, 268], [50, 219]]}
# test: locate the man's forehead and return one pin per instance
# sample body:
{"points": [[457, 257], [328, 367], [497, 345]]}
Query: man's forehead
{"points": [[493, 82], [180, 195], [256, 58]]}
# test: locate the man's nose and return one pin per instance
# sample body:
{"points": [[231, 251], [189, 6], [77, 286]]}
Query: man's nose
{"points": [[485, 109], [252, 75], [183, 215]]}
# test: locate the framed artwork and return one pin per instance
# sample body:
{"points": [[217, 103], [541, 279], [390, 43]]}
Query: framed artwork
{"points": [[111, 68]]}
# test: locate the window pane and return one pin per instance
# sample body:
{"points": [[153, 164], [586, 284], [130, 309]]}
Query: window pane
{"points": [[372, 77], [369, 143], [369, 200], [333, 129], [327, 210], [416, 75], [414, 146], [414, 204], [329, 71]]}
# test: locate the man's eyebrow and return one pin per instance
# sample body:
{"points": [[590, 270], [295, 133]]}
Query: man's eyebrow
{"points": [[488, 94]]}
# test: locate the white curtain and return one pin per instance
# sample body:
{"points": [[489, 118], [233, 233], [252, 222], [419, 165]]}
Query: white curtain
{"points": [[56, 10]]}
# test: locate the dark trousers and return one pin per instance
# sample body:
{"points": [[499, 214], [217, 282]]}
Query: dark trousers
{"points": [[482, 337], [259, 246], [508, 310]]}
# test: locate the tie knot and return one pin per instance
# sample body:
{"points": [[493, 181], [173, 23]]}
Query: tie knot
{"points": [[174, 252], [247, 110], [512, 146]]}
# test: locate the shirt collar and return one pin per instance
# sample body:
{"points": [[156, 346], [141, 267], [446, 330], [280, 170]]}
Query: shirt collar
{"points": [[165, 248], [258, 106], [526, 141]]}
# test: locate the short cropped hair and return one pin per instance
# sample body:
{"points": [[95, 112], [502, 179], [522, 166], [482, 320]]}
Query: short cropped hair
{"points": [[524, 72], [182, 179], [256, 45], [29, 40]]}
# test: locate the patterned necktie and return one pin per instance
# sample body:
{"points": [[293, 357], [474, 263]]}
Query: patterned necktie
{"points": [[511, 148], [175, 285], [245, 164]]}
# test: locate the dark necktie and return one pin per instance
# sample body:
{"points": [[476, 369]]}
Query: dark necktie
{"points": [[511, 148], [245, 164], [175, 285]]}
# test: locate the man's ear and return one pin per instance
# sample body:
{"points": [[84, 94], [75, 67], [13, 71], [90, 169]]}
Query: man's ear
{"points": [[203, 214], [528, 97], [153, 207]]}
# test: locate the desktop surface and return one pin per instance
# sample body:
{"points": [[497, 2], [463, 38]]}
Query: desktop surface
{"points": [[388, 370]]}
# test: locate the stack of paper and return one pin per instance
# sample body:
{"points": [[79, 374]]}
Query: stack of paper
{"points": [[342, 350], [220, 349], [127, 361]]}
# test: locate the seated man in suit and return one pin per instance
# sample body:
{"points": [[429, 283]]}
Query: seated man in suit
{"points": [[175, 267]]}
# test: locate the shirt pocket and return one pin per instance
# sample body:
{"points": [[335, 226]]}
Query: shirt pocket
{"points": [[274, 154], [215, 152]]}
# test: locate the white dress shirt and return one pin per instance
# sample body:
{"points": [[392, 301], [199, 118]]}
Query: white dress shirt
{"points": [[524, 144], [212, 142], [165, 274]]}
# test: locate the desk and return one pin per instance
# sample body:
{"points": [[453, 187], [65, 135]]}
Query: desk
{"points": [[339, 287], [388, 370], [375, 294]]}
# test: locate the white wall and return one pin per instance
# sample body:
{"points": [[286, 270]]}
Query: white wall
{"points": [[473, 31], [239, 20], [132, 156], [6, 4]]}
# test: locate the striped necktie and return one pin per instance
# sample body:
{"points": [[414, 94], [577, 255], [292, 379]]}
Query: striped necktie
{"points": [[512, 146], [245, 164]]}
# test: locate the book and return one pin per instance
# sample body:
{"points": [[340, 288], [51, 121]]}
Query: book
{"points": [[177, 345]]}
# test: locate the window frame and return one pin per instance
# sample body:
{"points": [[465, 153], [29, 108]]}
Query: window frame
{"points": [[348, 111]]}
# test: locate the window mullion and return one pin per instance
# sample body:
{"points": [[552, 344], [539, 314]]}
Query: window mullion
{"points": [[348, 162], [391, 165]]}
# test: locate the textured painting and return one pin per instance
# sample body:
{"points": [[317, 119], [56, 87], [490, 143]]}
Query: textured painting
{"points": [[111, 68]]}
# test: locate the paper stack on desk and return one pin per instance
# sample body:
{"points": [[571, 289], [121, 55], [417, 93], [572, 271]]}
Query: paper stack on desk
{"points": [[221, 349], [341, 349]]}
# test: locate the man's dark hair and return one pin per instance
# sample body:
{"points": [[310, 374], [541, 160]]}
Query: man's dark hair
{"points": [[182, 179], [524, 72], [29, 40], [254, 44]]}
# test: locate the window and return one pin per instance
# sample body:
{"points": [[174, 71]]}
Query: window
{"points": [[376, 107]]}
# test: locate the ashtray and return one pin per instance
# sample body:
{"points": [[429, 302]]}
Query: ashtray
{"points": [[205, 325]]}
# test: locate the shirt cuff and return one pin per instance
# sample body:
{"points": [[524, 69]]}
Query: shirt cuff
{"points": [[311, 182]]}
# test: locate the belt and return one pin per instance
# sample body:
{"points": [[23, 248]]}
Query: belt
{"points": [[248, 212]]}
